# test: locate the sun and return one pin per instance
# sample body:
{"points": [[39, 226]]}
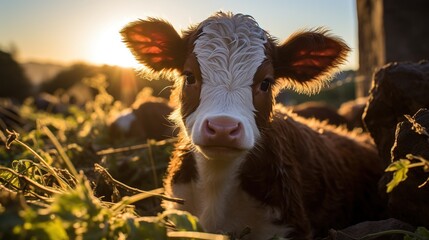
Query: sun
{"points": [[108, 48]]}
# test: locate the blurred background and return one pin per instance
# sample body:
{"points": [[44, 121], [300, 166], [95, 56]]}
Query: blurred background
{"points": [[50, 45], [64, 70], [48, 48]]}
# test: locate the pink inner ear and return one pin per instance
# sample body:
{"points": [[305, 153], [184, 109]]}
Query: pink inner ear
{"points": [[154, 43], [161, 58], [306, 62], [147, 43], [157, 59], [137, 37], [309, 56], [153, 38], [152, 49], [320, 58], [329, 52], [158, 38]]}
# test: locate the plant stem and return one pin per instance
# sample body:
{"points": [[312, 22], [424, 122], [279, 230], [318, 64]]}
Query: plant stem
{"points": [[132, 199], [152, 164], [196, 235], [60, 181], [106, 175], [61, 151], [30, 181], [135, 147]]}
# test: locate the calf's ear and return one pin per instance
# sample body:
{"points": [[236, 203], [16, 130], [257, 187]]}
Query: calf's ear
{"points": [[155, 43], [306, 59]]}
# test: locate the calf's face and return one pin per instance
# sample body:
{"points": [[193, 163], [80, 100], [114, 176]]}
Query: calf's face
{"points": [[231, 71]]}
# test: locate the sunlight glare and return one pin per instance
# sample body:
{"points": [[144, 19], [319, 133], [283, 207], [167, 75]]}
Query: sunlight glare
{"points": [[108, 48]]}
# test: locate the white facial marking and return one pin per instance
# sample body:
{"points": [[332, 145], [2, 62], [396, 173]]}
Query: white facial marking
{"points": [[229, 50]]}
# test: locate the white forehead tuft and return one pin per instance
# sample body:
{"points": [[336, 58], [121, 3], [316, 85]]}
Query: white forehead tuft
{"points": [[229, 50]]}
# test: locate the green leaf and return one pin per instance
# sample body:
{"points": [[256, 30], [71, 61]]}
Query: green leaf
{"points": [[400, 169], [183, 221], [9, 179], [49, 230], [40, 226], [398, 165], [9, 219], [150, 230], [421, 233]]}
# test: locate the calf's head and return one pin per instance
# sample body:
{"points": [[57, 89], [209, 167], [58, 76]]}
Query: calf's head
{"points": [[231, 71]]}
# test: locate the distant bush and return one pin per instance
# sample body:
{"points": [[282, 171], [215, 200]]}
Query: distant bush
{"points": [[68, 77], [123, 83], [13, 82]]}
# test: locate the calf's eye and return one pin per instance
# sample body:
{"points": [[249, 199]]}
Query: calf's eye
{"points": [[189, 78], [265, 85]]}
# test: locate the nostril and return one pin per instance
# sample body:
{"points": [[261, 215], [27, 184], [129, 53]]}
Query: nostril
{"points": [[236, 130], [211, 129], [222, 127], [222, 131]]}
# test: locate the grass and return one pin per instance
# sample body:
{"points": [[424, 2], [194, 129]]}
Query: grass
{"points": [[61, 177]]}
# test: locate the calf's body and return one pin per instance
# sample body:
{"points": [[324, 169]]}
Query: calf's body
{"points": [[239, 162], [304, 178]]}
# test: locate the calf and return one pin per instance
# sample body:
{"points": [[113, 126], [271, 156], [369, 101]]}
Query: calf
{"points": [[320, 111], [239, 164], [146, 119], [352, 111]]}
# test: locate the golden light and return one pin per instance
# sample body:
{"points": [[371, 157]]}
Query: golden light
{"points": [[108, 48]]}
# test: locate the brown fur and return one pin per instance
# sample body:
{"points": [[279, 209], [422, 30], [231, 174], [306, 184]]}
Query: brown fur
{"points": [[319, 175], [320, 111], [353, 111], [151, 121]]}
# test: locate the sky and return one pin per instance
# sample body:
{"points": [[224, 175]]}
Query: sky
{"points": [[68, 31]]}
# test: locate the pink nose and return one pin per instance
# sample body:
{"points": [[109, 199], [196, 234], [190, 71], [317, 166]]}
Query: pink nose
{"points": [[222, 132]]}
